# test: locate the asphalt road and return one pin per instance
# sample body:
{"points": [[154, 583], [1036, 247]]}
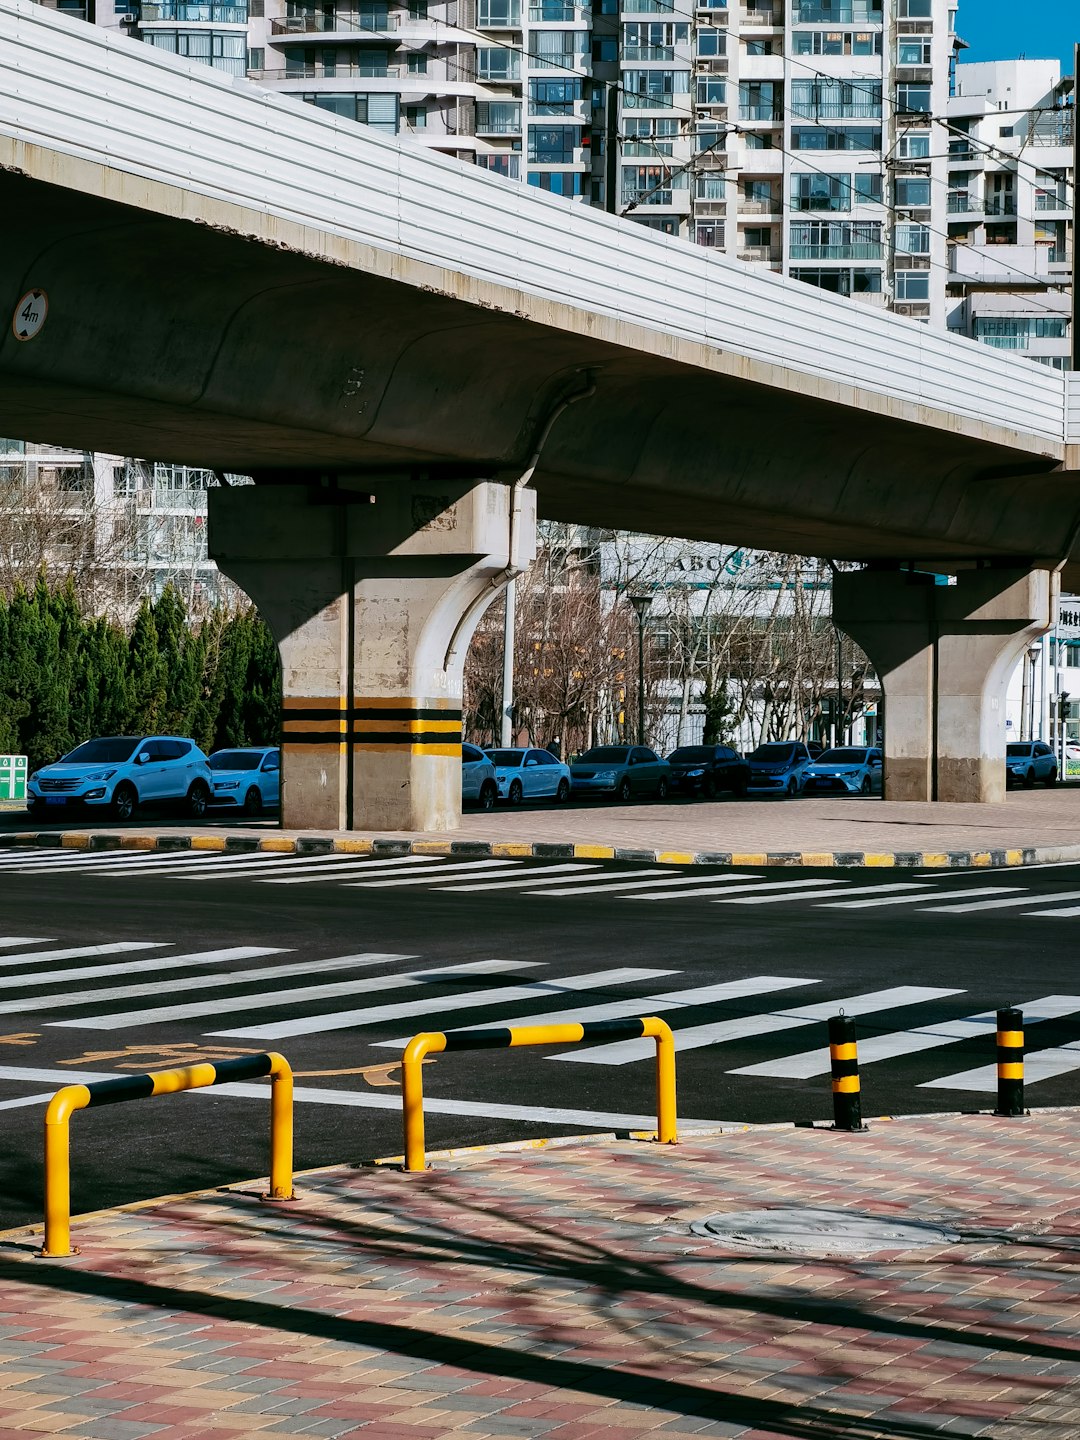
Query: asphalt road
{"points": [[344, 958]]}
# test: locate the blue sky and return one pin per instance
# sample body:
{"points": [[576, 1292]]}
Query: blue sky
{"points": [[1003, 30]]}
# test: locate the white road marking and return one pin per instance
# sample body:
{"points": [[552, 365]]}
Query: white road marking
{"points": [[1028, 899], [917, 899], [873, 1048], [359, 1099], [24, 940], [495, 870], [443, 1005], [647, 1005], [129, 967], [162, 1014], [743, 1027], [617, 881], [818, 894], [716, 886], [77, 952], [54, 855], [315, 867], [120, 864], [308, 875], [1067, 912], [538, 878], [1039, 1065], [22, 1101]]}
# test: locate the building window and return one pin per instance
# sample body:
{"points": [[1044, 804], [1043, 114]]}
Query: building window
{"points": [[605, 49], [554, 97], [760, 100], [759, 47], [498, 14], [912, 239], [916, 9], [835, 240], [416, 117], [558, 182], [821, 192], [914, 50], [710, 233], [498, 117], [913, 285], [915, 145], [652, 89], [508, 166], [257, 58], [711, 91], [653, 40], [822, 137], [1017, 332], [378, 111], [826, 99], [556, 49], [839, 281], [844, 12], [553, 144], [837, 42], [496, 64], [914, 99], [710, 187], [912, 191], [418, 64], [220, 50], [650, 184], [711, 42]]}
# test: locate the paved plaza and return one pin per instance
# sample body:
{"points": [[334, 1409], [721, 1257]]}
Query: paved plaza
{"points": [[560, 1292]]}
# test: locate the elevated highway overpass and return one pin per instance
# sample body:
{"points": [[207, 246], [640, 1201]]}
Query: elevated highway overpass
{"points": [[412, 357]]}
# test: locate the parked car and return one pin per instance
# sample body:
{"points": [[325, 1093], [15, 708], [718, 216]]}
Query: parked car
{"points": [[118, 773], [621, 771], [779, 767], [1029, 760], [249, 777], [527, 774], [707, 769], [815, 748], [478, 785], [850, 769]]}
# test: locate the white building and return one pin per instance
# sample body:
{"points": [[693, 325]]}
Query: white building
{"points": [[1011, 208]]}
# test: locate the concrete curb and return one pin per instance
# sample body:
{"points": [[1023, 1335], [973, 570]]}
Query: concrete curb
{"points": [[538, 850]]}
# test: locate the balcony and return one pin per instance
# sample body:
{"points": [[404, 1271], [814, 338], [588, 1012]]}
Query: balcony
{"points": [[1001, 205], [815, 12], [772, 113], [338, 22], [964, 205], [187, 12], [339, 70], [761, 254], [560, 12], [1044, 202], [852, 250], [760, 17]]}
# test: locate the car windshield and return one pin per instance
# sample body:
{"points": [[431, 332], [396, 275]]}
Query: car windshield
{"points": [[1018, 750], [689, 754], [111, 751], [774, 754], [509, 758], [842, 757], [235, 760], [605, 755]]}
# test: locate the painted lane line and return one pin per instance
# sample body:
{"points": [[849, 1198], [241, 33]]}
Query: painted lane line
{"points": [[279, 999], [359, 1099], [405, 866], [603, 884], [444, 1005], [329, 865], [1068, 912], [722, 1032], [494, 870], [917, 899], [538, 878], [79, 952], [647, 1005], [53, 856], [923, 1037], [25, 1100], [1038, 1065], [124, 865], [130, 967], [717, 887], [1028, 899], [831, 893], [25, 940]]}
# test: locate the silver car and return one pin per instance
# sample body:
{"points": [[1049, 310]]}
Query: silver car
{"points": [[1029, 760], [620, 771], [478, 785]]}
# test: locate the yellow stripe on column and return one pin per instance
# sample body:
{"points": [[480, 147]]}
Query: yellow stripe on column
{"points": [[1010, 1039], [1010, 1070], [846, 1085], [849, 1051]]}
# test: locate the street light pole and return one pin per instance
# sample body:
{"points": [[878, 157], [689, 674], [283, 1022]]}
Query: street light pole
{"points": [[641, 605]]}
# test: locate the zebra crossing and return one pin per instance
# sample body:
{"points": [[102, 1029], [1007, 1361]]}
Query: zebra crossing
{"points": [[270, 996], [936, 893]]}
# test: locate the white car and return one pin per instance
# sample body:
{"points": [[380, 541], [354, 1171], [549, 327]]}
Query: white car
{"points": [[478, 786], [117, 773], [248, 777], [530, 775]]}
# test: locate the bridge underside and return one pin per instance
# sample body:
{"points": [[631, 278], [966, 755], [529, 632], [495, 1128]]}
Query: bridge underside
{"points": [[342, 388]]}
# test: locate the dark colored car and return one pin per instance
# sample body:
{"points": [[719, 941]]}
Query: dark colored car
{"points": [[708, 769], [620, 771]]}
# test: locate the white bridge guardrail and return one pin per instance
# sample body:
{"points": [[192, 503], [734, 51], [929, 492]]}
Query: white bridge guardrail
{"points": [[71, 87]]}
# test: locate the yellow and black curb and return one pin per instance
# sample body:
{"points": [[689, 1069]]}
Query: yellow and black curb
{"points": [[389, 846]]}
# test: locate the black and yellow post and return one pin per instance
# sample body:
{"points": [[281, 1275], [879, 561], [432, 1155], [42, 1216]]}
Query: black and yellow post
{"points": [[844, 1060], [1010, 1062]]}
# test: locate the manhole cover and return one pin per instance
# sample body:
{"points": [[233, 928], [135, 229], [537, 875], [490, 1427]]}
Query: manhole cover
{"points": [[806, 1231]]}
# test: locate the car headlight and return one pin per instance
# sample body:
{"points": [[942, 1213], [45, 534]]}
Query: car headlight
{"points": [[694, 774], [604, 775], [100, 775]]}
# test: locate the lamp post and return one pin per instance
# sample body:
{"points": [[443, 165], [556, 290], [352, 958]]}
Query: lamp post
{"points": [[641, 604]]}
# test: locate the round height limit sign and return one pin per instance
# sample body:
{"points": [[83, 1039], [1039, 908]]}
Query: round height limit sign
{"points": [[30, 315]]}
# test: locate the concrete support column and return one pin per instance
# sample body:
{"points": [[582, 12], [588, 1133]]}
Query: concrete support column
{"points": [[944, 655], [372, 592]]}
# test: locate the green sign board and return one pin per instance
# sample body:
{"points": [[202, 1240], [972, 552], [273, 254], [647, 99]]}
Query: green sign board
{"points": [[13, 777]]}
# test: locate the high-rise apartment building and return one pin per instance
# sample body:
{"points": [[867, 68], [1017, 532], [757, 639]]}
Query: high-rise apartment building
{"points": [[1011, 204]]}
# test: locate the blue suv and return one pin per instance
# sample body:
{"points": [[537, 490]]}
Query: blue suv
{"points": [[117, 773]]}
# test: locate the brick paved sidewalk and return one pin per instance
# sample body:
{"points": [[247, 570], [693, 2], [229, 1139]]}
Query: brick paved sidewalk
{"points": [[560, 1293]]}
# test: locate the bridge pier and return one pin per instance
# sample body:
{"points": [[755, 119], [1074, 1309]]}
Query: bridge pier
{"points": [[944, 655], [372, 589]]}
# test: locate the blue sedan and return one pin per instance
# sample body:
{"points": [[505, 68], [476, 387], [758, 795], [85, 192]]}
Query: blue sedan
{"points": [[249, 778], [847, 770], [530, 775]]}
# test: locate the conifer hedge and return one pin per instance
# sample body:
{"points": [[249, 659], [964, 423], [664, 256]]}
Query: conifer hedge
{"points": [[66, 676]]}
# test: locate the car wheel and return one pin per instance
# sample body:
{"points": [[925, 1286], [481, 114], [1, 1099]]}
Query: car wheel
{"points": [[124, 801], [253, 802], [34, 807], [515, 793], [1051, 779], [864, 788], [623, 792], [708, 790], [489, 793], [198, 798], [792, 788], [661, 788], [562, 794], [1029, 780], [740, 789]]}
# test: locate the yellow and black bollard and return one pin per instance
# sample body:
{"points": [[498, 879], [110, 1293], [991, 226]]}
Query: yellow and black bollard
{"points": [[1010, 1062], [844, 1057]]}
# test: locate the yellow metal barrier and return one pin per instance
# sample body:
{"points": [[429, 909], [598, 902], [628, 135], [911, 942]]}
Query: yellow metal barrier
{"points": [[436, 1043], [57, 1239]]}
